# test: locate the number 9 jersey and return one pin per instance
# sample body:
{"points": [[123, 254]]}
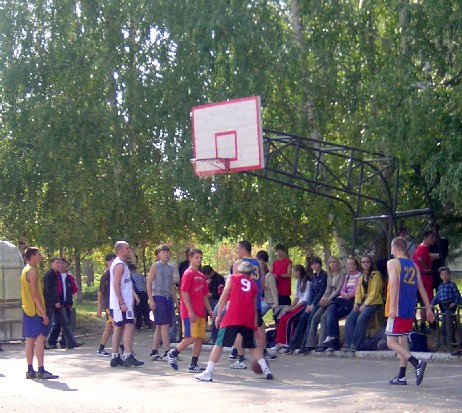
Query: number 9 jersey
{"points": [[241, 307]]}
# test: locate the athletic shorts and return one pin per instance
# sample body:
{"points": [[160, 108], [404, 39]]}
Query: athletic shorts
{"points": [[427, 280], [194, 330], [259, 320], [398, 326], [122, 317], [32, 327], [227, 335], [163, 313]]}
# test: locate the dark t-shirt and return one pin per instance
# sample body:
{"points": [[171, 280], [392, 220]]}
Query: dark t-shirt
{"points": [[215, 281], [104, 289], [184, 265]]}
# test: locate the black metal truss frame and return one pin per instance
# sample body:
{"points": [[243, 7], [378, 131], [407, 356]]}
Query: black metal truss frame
{"points": [[363, 181]]}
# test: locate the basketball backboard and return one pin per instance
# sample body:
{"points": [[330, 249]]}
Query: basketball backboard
{"points": [[227, 136]]}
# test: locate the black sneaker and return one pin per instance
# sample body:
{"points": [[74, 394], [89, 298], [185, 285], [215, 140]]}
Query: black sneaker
{"points": [[131, 361], [52, 347], [320, 349], [116, 361], [400, 382], [31, 375], [102, 353], [232, 356], [419, 371], [46, 375], [457, 353], [172, 360], [195, 369]]}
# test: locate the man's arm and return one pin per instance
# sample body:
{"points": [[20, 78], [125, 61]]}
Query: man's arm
{"points": [[32, 276], [187, 302], [151, 276], [424, 297], [118, 272]]}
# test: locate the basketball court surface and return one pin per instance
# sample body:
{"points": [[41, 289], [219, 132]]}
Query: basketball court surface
{"points": [[318, 383]]}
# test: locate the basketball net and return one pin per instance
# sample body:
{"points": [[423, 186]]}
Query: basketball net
{"points": [[207, 168]]}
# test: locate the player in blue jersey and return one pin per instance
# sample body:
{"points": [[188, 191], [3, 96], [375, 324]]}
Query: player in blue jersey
{"points": [[403, 283]]}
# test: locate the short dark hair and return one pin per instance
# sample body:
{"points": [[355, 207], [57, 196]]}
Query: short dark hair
{"points": [[280, 247], [316, 259], [30, 252], [109, 257], [427, 233], [207, 269], [54, 259], [246, 245], [163, 247], [262, 255], [195, 251], [444, 269]]}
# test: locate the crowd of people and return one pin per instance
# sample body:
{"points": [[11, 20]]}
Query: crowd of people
{"points": [[306, 319]]}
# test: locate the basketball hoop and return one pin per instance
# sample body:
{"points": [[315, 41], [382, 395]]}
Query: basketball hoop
{"points": [[206, 168]]}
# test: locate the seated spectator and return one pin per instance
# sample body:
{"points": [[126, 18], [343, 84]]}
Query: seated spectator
{"points": [[341, 306], [289, 319], [447, 297], [318, 287], [335, 280], [368, 300]]}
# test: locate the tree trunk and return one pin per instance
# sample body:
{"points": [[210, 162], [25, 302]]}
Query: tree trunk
{"points": [[78, 276]]}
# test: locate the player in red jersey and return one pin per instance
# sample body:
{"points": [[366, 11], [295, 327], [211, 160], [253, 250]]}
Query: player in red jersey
{"points": [[240, 318]]}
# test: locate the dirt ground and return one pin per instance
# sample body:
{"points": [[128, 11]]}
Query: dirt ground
{"points": [[321, 383]]}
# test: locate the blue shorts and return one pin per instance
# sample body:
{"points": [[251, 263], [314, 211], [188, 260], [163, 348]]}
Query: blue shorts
{"points": [[32, 327], [163, 314]]}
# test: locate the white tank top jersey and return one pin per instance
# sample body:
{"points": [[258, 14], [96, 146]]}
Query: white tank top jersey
{"points": [[126, 287]]}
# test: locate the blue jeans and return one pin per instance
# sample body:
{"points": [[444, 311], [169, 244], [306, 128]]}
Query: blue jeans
{"points": [[338, 309], [356, 325]]}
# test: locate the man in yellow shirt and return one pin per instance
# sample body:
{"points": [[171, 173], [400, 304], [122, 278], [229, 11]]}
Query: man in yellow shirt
{"points": [[35, 320]]}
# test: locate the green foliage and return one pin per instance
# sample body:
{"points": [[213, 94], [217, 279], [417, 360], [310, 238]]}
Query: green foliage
{"points": [[95, 101]]}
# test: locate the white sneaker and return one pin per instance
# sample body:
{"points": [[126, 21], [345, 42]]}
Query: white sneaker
{"points": [[268, 374], [328, 338], [238, 365], [203, 376]]}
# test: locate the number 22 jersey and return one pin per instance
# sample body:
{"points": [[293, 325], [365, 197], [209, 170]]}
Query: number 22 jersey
{"points": [[407, 292], [241, 306]]}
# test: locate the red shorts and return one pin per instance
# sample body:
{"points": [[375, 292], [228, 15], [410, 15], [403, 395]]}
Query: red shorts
{"points": [[427, 280], [398, 326]]}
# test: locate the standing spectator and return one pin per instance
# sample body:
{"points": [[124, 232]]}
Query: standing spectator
{"points": [[423, 260], [194, 303], [368, 300], [342, 305], [410, 245], [103, 305], [121, 299], [282, 269], [69, 289], [35, 319], [403, 282], [55, 305], [184, 265], [162, 298], [142, 306], [270, 293], [216, 283]]}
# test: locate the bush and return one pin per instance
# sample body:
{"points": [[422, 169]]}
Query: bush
{"points": [[90, 293]]}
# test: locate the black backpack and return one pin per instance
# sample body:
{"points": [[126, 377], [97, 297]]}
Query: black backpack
{"points": [[418, 342]]}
